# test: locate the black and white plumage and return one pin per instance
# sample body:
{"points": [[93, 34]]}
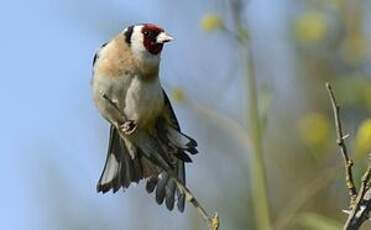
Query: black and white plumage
{"points": [[145, 138]]}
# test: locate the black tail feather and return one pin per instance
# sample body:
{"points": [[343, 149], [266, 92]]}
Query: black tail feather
{"points": [[151, 184], [170, 194], [156, 157], [120, 170], [161, 188], [180, 193]]}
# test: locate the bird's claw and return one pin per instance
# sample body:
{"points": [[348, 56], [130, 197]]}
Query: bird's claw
{"points": [[128, 127]]}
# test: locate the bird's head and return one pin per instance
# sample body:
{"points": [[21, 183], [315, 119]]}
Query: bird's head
{"points": [[146, 41]]}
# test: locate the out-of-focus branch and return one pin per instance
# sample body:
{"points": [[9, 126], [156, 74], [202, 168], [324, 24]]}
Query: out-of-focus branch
{"points": [[256, 163], [224, 122], [348, 163], [360, 204], [257, 169]]}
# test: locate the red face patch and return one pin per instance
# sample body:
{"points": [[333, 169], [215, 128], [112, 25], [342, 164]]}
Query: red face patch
{"points": [[150, 33]]}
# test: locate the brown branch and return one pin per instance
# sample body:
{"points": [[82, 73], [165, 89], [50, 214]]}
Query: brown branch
{"points": [[360, 204], [348, 163], [212, 220], [362, 207]]}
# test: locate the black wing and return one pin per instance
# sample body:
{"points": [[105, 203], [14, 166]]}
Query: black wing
{"points": [[178, 144]]}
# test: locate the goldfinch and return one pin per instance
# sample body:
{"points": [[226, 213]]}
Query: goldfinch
{"points": [[145, 140]]}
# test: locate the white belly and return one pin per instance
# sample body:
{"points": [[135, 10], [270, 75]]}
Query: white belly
{"points": [[144, 100]]}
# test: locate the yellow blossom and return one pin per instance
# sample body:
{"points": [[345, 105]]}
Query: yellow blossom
{"points": [[311, 27], [211, 22], [354, 48], [314, 129], [366, 93], [363, 138]]}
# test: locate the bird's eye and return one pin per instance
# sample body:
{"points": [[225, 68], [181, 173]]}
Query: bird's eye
{"points": [[149, 33]]}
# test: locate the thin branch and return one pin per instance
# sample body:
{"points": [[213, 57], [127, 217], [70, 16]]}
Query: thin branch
{"points": [[113, 104], [225, 123], [362, 207], [348, 163], [213, 221]]}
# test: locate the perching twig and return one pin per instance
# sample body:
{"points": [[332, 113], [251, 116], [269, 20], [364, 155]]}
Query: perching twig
{"points": [[348, 163], [113, 104], [213, 221]]}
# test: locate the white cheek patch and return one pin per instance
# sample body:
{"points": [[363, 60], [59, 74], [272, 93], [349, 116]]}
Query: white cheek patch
{"points": [[138, 48], [137, 40]]}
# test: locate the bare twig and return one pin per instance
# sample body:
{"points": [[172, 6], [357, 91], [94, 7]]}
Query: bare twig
{"points": [[213, 221], [348, 163], [360, 204], [113, 104], [362, 207]]}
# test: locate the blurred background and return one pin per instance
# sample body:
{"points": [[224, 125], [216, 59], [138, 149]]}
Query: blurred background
{"points": [[246, 79]]}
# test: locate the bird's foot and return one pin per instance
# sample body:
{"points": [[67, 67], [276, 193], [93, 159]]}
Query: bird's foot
{"points": [[128, 127]]}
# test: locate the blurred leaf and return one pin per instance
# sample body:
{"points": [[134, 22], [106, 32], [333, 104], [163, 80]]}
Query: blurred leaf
{"points": [[314, 129], [354, 89], [315, 221], [354, 49], [211, 22], [310, 27], [349, 88], [363, 139]]}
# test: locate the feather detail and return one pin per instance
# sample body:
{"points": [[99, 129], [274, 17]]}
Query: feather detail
{"points": [[120, 169], [151, 184], [170, 194], [160, 189], [179, 139]]}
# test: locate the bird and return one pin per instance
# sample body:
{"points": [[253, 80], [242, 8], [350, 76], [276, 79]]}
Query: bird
{"points": [[145, 139]]}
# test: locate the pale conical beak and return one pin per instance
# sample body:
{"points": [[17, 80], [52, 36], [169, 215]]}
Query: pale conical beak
{"points": [[164, 37]]}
